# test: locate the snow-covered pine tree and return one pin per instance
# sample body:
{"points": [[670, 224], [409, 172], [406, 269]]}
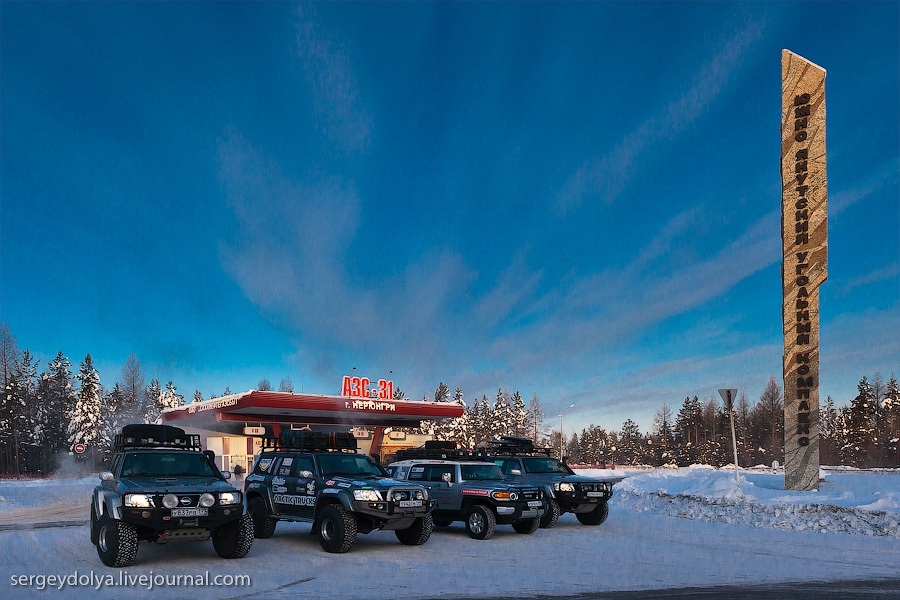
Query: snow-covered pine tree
{"points": [[198, 396], [113, 416], [631, 443], [518, 416], [891, 407], [31, 436], [84, 421], [56, 393], [9, 353], [12, 422], [170, 398], [501, 421], [858, 427], [151, 404]]}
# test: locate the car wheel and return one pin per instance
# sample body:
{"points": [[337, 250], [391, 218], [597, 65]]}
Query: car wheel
{"points": [[527, 525], [480, 522], [263, 524], [551, 515], [336, 528], [117, 542], [233, 539], [596, 516], [417, 533]]}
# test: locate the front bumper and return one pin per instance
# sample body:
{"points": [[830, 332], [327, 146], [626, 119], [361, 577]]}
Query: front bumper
{"points": [[161, 519], [390, 515], [509, 512]]}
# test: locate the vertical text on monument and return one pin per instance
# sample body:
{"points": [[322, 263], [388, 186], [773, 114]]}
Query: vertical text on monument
{"points": [[804, 235]]}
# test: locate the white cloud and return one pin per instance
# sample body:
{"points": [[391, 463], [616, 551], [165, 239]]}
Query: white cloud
{"points": [[606, 176]]}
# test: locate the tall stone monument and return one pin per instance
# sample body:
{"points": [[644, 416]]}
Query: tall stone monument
{"points": [[804, 235]]}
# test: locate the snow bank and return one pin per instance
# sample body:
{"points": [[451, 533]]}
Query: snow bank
{"points": [[848, 501]]}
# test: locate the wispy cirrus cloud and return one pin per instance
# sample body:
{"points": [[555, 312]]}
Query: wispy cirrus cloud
{"points": [[341, 116], [605, 177]]}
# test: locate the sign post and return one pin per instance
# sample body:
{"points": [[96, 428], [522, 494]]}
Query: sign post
{"points": [[728, 396], [804, 235]]}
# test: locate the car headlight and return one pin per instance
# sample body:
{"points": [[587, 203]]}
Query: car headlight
{"points": [[206, 500], [565, 487], [170, 500], [367, 495], [421, 495], [138, 501], [227, 498], [511, 496]]}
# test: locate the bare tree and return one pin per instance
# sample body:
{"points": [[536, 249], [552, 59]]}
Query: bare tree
{"points": [[264, 385], [286, 385], [771, 407], [134, 388]]}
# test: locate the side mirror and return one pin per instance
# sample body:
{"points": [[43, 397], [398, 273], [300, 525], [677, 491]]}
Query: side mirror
{"points": [[226, 474], [107, 476], [515, 472]]}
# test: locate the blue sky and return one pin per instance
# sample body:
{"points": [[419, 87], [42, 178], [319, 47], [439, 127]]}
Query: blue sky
{"points": [[578, 200]]}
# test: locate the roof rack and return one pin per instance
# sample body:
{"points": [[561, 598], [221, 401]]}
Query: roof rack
{"points": [[440, 450], [155, 436], [508, 444], [303, 439]]}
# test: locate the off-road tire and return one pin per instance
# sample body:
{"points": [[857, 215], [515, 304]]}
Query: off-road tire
{"points": [[442, 522], [551, 516], [527, 525], [263, 524], [336, 527], [417, 533], [234, 539], [480, 522], [117, 542], [93, 525], [596, 516]]}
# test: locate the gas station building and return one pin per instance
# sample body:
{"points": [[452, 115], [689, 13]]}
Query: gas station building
{"points": [[233, 426]]}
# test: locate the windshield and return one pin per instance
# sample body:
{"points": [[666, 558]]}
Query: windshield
{"points": [[481, 472], [349, 465], [542, 464], [166, 464]]}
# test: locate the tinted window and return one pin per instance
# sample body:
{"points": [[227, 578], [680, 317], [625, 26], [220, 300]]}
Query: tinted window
{"points": [[166, 464], [481, 472]]}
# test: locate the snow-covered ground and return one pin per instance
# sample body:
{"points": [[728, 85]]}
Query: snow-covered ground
{"points": [[668, 528]]}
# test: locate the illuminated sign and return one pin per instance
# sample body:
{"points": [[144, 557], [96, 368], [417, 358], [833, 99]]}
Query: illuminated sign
{"points": [[361, 387]]}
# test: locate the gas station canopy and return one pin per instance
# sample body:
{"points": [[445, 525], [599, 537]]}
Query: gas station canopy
{"points": [[258, 406]]}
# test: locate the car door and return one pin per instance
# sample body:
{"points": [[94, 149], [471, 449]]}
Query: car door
{"points": [[304, 485], [442, 482], [282, 482]]}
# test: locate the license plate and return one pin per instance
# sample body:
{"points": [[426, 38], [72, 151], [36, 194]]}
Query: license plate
{"points": [[594, 494], [534, 504], [190, 512], [410, 503]]}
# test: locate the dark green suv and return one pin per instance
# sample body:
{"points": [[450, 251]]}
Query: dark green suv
{"points": [[162, 486]]}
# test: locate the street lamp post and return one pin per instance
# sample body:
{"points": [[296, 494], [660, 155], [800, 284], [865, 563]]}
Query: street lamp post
{"points": [[561, 430]]}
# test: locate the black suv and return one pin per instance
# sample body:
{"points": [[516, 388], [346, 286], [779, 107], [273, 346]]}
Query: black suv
{"points": [[320, 478], [468, 489], [161, 487], [587, 497]]}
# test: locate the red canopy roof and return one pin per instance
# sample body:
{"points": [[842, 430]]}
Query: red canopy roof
{"points": [[285, 407]]}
